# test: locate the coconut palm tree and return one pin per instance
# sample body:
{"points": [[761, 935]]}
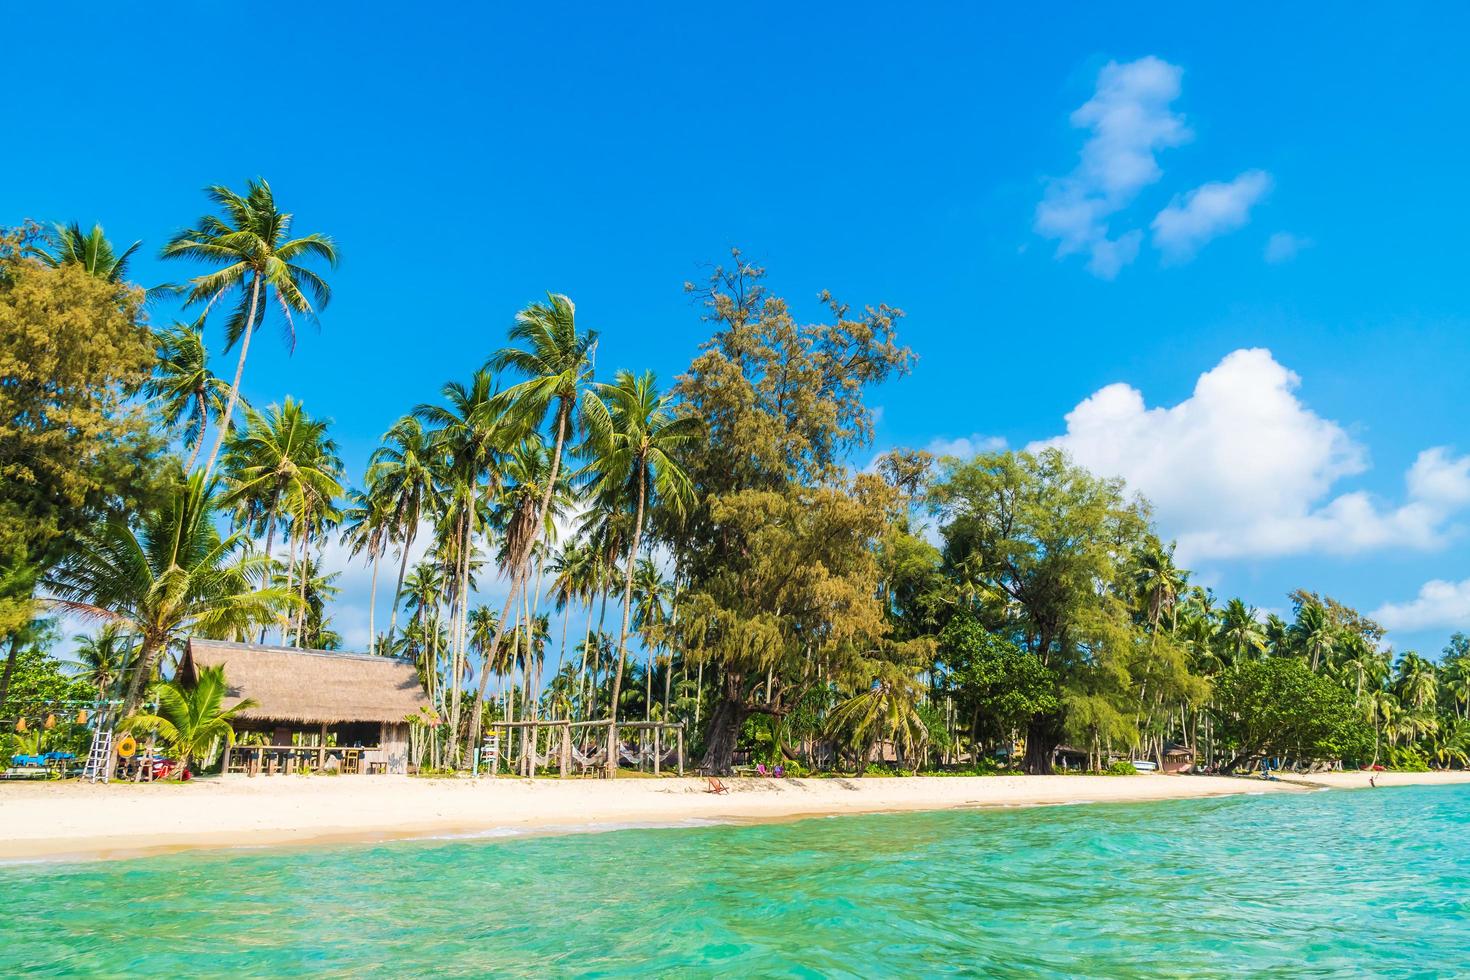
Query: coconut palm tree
{"points": [[250, 243], [170, 575], [1313, 633], [1416, 683], [1240, 629], [556, 360], [1159, 582], [365, 530], [89, 249], [889, 706], [191, 720], [404, 471], [634, 436], [103, 658], [186, 391]]}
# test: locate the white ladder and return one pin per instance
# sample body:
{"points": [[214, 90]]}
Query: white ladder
{"points": [[99, 760]]}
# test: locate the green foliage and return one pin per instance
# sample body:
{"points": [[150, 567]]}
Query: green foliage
{"points": [[1120, 768], [191, 719], [1278, 707], [999, 685], [72, 355]]}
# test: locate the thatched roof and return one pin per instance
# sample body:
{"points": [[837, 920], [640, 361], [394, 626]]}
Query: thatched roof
{"points": [[310, 686]]}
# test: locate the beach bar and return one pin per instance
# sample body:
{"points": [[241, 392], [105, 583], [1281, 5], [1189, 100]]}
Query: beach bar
{"points": [[315, 710]]}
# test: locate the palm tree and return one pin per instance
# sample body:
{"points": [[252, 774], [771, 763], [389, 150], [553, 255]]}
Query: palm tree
{"points": [[404, 471], [1159, 582], [171, 575], [634, 436], [557, 364], [472, 433], [1313, 633], [104, 658], [890, 705], [313, 588], [1416, 684], [187, 392], [251, 244], [192, 721], [1240, 628], [365, 529], [91, 250]]}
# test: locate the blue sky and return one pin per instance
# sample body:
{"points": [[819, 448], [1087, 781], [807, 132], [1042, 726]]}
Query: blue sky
{"points": [[467, 160]]}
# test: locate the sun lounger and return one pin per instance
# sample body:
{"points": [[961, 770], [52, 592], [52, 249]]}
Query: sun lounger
{"points": [[715, 786]]}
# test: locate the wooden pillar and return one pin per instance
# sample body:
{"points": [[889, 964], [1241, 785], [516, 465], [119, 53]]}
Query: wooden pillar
{"points": [[612, 750], [657, 751], [225, 765], [566, 749], [681, 748], [321, 750]]}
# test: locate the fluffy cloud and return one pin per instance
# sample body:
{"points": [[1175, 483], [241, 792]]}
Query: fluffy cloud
{"points": [[1129, 120], [1439, 605], [966, 446], [1283, 246], [1243, 468], [1205, 213]]}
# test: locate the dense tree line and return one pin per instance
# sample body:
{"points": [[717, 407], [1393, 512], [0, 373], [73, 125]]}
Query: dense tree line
{"points": [[729, 563]]}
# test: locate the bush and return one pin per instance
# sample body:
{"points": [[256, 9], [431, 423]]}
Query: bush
{"points": [[1120, 768]]}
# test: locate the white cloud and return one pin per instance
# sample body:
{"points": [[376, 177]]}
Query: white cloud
{"points": [[1283, 246], [1205, 213], [966, 446], [1130, 120], [1243, 468], [1439, 605]]}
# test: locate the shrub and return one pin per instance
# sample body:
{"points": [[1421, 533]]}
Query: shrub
{"points": [[1120, 768]]}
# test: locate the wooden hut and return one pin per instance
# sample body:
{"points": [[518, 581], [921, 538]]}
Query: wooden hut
{"points": [[1178, 758], [333, 710]]}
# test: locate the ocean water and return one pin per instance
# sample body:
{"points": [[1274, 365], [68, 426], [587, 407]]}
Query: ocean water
{"points": [[1322, 884]]}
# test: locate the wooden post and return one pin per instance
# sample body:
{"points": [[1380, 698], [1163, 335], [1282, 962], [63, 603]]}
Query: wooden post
{"points": [[657, 751], [321, 751], [566, 749], [531, 756], [681, 748], [612, 750]]}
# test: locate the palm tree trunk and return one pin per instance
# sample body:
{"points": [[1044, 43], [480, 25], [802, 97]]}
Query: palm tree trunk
{"points": [[398, 592], [500, 627], [224, 423], [198, 436], [612, 762], [373, 603]]}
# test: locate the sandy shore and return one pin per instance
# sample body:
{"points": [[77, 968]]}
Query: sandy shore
{"points": [[54, 820]]}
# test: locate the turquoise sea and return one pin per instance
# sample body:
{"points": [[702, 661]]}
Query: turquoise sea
{"points": [[1321, 884]]}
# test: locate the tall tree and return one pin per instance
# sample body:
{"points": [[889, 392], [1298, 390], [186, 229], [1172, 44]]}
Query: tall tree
{"points": [[186, 391], [1051, 539], [635, 436], [556, 360], [405, 470], [778, 549], [250, 243]]}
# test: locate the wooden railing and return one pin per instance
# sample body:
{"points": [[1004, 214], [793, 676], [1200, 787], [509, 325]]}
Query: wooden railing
{"points": [[277, 759]]}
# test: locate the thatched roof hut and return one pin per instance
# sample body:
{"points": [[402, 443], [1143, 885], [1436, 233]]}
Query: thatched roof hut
{"points": [[310, 687]]}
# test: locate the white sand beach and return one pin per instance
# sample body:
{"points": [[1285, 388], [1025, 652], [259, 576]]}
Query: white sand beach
{"points": [[54, 820]]}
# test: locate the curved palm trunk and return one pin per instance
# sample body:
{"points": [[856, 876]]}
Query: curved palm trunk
{"points": [[224, 423], [144, 669], [198, 436], [612, 752], [373, 603], [398, 592], [522, 573]]}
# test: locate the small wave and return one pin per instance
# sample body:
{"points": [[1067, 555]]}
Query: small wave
{"points": [[558, 830]]}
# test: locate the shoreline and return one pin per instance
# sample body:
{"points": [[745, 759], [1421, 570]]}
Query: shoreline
{"points": [[79, 821]]}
